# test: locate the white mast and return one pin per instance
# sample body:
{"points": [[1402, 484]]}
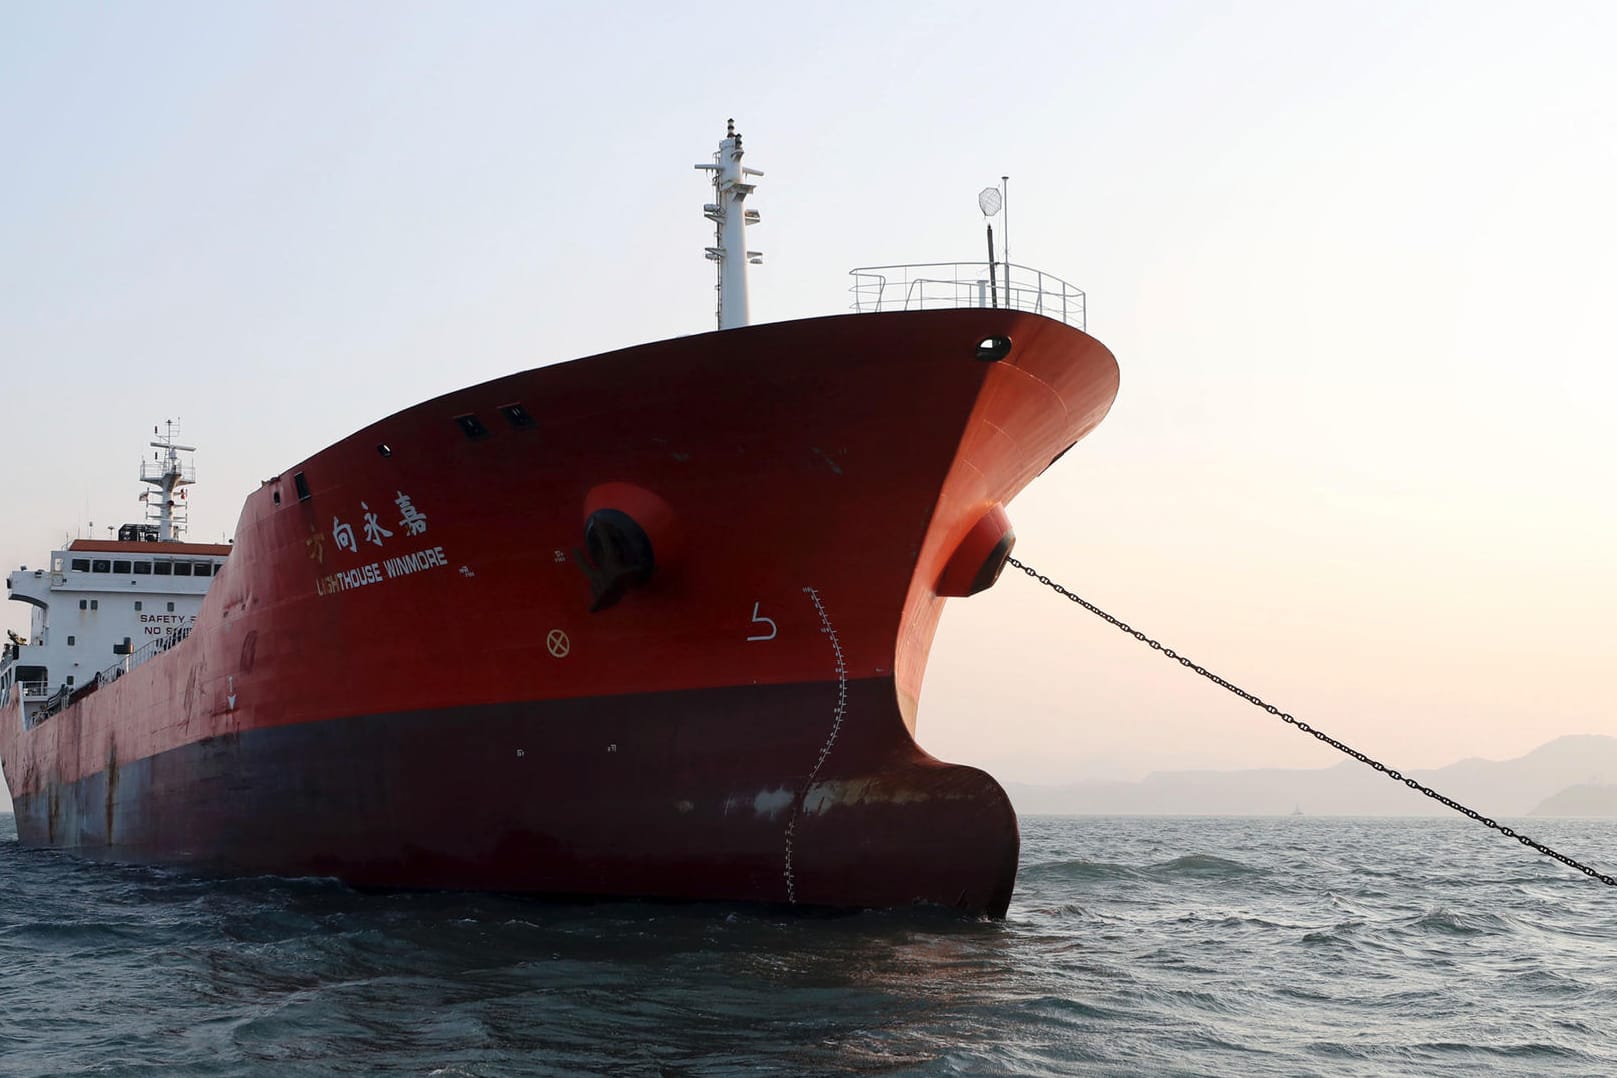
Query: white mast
{"points": [[168, 473], [730, 189]]}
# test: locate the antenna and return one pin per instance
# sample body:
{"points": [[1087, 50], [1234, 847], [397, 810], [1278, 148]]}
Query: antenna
{"points": [[1005, 239], [989, 200]]}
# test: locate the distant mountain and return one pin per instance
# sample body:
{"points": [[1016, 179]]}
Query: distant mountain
{"points": [[1532, 783], [1589, 799]]}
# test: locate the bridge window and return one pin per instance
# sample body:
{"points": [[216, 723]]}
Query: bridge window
{"points": [[182, 568], [163, 568], [81, 565], [204, 568], [143, 568], [101, 565], [121, 568]]}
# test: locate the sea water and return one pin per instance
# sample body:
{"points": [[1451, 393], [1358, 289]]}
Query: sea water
{"points": [[1160, 946]]}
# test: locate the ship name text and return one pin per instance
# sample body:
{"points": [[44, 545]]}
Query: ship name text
{"points": [[378, 572]]}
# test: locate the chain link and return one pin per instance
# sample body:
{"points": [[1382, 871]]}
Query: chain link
{"points": [[1397, 776]]}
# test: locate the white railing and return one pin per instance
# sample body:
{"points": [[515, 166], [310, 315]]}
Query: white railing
{"points": [[939, 285], [63, 696], [27, 689], [153, 471], [138, 658], [33, 692]]}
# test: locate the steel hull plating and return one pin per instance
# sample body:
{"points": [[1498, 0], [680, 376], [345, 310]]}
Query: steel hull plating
{"points": [[682, 795], [407, 674]]}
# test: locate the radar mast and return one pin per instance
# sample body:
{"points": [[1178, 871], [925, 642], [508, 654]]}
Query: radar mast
{"points": [[167, 507], [730, 218]]}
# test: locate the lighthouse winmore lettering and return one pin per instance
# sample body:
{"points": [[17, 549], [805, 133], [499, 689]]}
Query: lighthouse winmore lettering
{"points": [[379, 572]]}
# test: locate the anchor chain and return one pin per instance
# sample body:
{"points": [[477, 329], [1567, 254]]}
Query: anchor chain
{"points": [[1413, 784]]}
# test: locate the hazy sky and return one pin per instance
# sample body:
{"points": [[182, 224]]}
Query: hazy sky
{"points": [[1356, 262]]}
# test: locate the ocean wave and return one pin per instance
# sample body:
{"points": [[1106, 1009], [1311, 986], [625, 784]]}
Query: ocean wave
{"points": [[1203, 864], [1451, 923], [1077, 870], [70, 935], [1060, 911], [1535, 1050], [1341, 932]]}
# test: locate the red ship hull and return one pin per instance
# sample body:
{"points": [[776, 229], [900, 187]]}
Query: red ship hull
{"points": [[413, 671]]}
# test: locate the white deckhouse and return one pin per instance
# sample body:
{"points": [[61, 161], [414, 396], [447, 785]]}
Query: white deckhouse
{"points": [[103, 606]]}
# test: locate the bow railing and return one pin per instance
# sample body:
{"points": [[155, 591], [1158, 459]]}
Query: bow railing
{"points": [[941, 285]]}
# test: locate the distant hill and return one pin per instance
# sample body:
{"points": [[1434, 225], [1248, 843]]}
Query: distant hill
{"points": [[1544, 782], [1589, 799]]}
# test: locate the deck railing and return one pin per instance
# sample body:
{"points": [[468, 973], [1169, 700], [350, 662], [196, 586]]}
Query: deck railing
{"points": [[26, 689], [138, 658], [64, 695], [937, 285]]}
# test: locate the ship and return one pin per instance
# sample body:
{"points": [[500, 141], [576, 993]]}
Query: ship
{"points": [[650, 624]]}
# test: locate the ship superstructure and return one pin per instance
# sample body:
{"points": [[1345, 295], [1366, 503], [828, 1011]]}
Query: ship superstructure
{"points": [[101, 607]]}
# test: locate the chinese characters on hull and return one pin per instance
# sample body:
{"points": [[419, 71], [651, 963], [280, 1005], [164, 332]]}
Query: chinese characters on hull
{"points": [[411, 519]]}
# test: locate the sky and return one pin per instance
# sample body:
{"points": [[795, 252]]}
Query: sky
{"points": [[1356, 262]]}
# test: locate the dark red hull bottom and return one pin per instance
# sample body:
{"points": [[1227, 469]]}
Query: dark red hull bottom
{"points": [[704, 794]]}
